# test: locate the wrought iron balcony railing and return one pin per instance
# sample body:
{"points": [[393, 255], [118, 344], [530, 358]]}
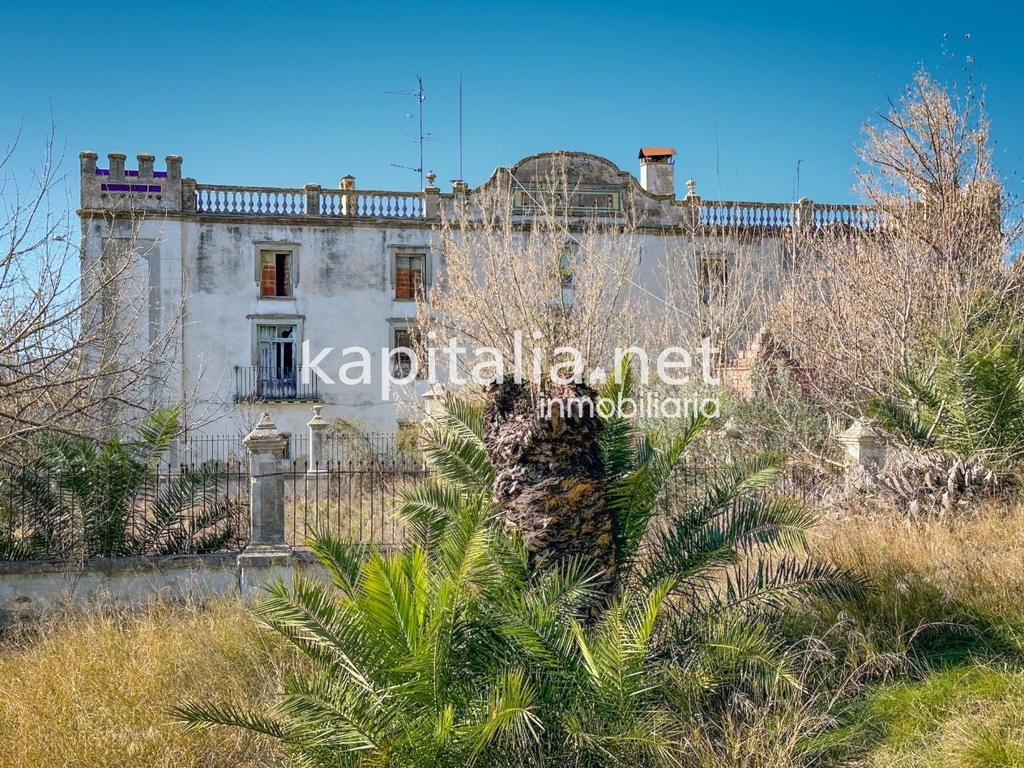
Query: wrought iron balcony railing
{"points": [[256, 384]]}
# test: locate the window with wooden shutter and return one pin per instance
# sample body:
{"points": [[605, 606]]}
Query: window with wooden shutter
{"points": [[408, 276], [275, 274]]}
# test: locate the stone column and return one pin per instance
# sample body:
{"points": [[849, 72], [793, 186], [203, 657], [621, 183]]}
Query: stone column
{"points": [[146, 166], [116, 162], [431, 198], [90, 184], [691, 213], [188, 195], [460, 194], [268, 556], [312, 199], [318, 427], [265, 444], [349, 203], [173, 192], [173, 167], [87, 160], [803, 214]]}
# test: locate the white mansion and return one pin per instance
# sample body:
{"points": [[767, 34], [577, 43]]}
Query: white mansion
{"points": [[236, 278]]}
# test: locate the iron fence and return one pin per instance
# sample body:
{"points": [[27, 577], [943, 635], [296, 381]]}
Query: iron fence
{"points": [[216, 452], [692, 478], [80, 511], [202, 504], [353, 499]]}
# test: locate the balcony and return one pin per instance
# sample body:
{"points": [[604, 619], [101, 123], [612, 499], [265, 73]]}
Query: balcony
{"points": [[254, 384]]}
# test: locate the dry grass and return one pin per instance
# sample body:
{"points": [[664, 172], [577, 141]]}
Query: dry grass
{"points": [[929, 673], [934, 661], [976, 562], [96, 689], [943, 592], [354, 508], [373, 521]]}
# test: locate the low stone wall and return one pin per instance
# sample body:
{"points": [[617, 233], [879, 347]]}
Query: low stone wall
{"points": [[132, 581]]}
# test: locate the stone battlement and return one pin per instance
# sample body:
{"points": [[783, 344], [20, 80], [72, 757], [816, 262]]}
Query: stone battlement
{"points": [[118, 188]]}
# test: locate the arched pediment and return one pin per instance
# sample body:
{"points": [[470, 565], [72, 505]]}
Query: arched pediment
{"points": [[576, 181]]}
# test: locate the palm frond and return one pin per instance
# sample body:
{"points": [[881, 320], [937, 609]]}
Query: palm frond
{"points": [[510, 718], [724, 652], [430, 506], [157, 432], [730, 518], [307, 614], [755, 585], [899, 418], [342, 559], [632, 498], [452, 446], [193, 716], [619, 435]]}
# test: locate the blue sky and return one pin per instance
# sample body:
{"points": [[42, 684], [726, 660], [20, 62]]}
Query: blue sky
{"points": [[282, 94]]}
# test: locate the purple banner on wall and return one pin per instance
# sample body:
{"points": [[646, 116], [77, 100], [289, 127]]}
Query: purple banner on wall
{"points": [[130, 187]]}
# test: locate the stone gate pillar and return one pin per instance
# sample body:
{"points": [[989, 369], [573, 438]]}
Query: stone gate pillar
{"points": [[268, 554], [318, 427], [864, 443]]}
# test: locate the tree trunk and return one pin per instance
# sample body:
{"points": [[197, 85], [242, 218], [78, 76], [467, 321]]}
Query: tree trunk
{"points": [[549, 476]]}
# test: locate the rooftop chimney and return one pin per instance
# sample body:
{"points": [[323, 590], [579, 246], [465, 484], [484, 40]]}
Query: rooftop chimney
{"points": [[657, 170]]}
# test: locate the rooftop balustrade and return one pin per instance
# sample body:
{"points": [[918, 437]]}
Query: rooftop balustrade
{"points": [[221, 199], [224, 200]]}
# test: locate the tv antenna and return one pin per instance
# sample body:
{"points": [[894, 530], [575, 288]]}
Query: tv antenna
{"points": [[461, 177], [421, 137]]}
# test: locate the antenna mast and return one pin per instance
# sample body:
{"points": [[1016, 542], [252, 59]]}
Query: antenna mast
{"points": [[461, 177], [421, 136]]}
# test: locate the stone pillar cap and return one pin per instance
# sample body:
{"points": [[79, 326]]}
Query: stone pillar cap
{"points": [[318, 419], [265, 435], [860, 429]]}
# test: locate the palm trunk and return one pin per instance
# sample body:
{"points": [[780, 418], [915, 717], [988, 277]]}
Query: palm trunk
{"points": [[549, 476]]}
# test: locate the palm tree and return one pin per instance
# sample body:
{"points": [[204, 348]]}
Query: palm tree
{"points": [[960, 428], [468, 647], [453, 654], [972, 406], [80, 498]]}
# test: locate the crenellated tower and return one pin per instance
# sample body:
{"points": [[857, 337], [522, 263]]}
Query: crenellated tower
{"points": [[121, 189]]}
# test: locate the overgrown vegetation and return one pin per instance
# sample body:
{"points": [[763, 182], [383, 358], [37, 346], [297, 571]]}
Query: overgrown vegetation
{"points": [[75, 498], [471, 646], [926, 673], [548, 608], [867, 306]]}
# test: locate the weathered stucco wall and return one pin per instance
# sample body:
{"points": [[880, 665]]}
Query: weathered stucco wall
{"points": [[343, 297], [198, 278]]}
